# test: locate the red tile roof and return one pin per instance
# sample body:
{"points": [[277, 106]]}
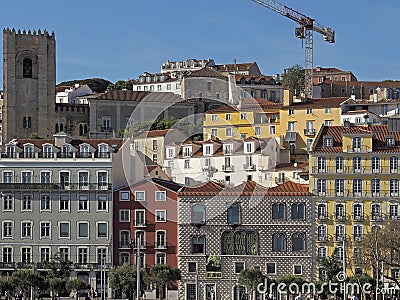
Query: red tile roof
{"points": [[134, 96], [378, 132], [207, 72], [231, 67], [289, 188], [154, 133], [248, 105], [318, 103], [210, 188]]}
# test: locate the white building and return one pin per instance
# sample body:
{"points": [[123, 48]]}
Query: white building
{"points": [[228, 162], [69, 94], [159, 82]]}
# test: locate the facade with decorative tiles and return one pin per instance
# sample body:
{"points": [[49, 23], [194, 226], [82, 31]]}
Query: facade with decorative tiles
{"points": [[222, 230], [354, 175]]}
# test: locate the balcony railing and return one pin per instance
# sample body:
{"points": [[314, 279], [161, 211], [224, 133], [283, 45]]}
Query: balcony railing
{"points": [[226, 168], [340, 217], [158, 245], [340, 237], [124, 245], [322, 217], [50, 155], [360, 149], [357, 238], [140, 224], [56, 186], [248, 167], [322, 238], [352, 170], [309, 132], [356, 194]]}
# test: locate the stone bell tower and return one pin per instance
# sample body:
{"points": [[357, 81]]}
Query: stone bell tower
{"points": [[29, 77]]}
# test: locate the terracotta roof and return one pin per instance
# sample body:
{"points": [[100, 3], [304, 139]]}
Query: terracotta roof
{"points": [[372, 84], [291, 166], [318, 102], [371, 102], [115, 143], [289, 188], [153, 133], [329, 70], [248, 188], [257, 79], [206, 72], [210, 188], [171, 185], [231, 67], [128, 95], [378, 132], [248, 105]]}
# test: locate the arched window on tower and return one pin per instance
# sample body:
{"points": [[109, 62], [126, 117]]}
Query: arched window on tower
{"points": [[27, 68]]}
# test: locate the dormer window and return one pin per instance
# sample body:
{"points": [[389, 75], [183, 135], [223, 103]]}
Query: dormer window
{"points": [[390, 141], [356, 144], [47, 151], [10, 151], [66, 150], [187, 151], [207, 150], [84, 150], [28, 150], [228, 149], [248, 147], [103, 149], [243, 81], [171, 152], [328, 141]]}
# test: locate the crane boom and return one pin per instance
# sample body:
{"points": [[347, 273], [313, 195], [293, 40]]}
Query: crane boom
{"points": [[305, 31]]}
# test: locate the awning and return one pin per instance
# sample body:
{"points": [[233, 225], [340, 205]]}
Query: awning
{"points": [[290, 136]]}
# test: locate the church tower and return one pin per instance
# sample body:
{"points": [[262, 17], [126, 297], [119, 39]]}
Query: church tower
{"points": [[29, 76]]}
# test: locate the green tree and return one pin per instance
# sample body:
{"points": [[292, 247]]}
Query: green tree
{"points": [[34, 136], [251, 278], [98, 85], [6, 285], [76, 285], [24, 279], [294, 79], [123, 278], [57, 274], [164, 275]]}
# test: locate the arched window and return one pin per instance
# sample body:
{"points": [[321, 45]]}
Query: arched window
{"points": [[57, 129], [298, 242], [278, 211], [297, 211], [198, 216], [339, 164], [233, 214], [27, 68], [278, 242]]}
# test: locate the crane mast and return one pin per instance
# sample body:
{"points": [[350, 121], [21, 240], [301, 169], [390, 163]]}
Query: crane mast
{"points": [[305, 31]]}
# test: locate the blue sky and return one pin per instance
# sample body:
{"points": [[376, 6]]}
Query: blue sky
{"points": [[122, 39]]}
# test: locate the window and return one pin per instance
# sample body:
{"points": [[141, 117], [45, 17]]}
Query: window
{"points": [[187, 151], [214, 118], [291, 126], [257, 130], [45, 254], [64, 229], [140, 217], [214, 132], [278, 242], [102, 230], [26, 255], [321, 211], [192, 267], [26, 229], [375, 187], [26, 177], [298, 242], [357, 164], [207, 149], [243, 116], [83, 180], [339, 187], [328, 122], [322, 252], [124, 196], [140, 196], [83, 230], [339, 211], [102, 180], [228, 117], [271, 268], [8, 229], [82, 256], [124, 239], [239, 266], [357, 211], [8, 203], [161, 258], [8, 177], [248, 147], [394, 211], [228, 131], [161, 216], [356, 143], [198, 214], [390, 141], [161, 196], [290, 111], [45, 177], [64, 253], [124, 215], [321, 186], [328, 110], [191, 291], [272, 129], [328, 142], [102, 201], [64, 202], [140, 237], [45, 229], [7, 255], [170, 152], [64, 180], [239, 292], [309, 111], [393, 162], [376, 211], [161, 241], [321, 163], [321, 233], [233, 214], [27, 68], [26, 204], [26, 122], [298, 211], [375, 164], [278, 211], [198, 245], [83, 203], [339, 164], [297, 270], [357, 232], [357, 187]]}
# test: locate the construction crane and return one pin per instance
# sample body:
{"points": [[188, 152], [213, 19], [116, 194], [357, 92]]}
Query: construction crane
{"points": [[305, 32]]}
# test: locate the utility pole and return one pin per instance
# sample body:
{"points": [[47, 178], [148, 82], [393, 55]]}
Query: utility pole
{"points": [[138, 263]]}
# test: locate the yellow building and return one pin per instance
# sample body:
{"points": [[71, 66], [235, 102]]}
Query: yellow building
{"points": [[300, 120], [354, 174], [258, 118]]}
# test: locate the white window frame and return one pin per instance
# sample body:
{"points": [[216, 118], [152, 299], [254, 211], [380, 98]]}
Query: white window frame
{"points": [[97, 230], [156, 193], [144, 196], [157, 211], [122, 212], [77, 230], [121, 198], [40, 230]]}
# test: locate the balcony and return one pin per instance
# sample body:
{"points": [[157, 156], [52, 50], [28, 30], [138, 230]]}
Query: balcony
{"points": [[357, 238], [340, 217], [360, 149], [248, 167], [124, 245], [309, 132], [356, 194], [159, 245], [340, 237], [56, 186], [358, 217], [52, 155], [322, 217], [226, 168], [322, 238]]}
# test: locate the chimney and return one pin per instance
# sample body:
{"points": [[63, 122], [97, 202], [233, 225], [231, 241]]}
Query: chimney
{"points": [[287, 98]]}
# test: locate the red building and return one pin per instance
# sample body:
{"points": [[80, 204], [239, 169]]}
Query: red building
{"points": [[146, 211]]}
